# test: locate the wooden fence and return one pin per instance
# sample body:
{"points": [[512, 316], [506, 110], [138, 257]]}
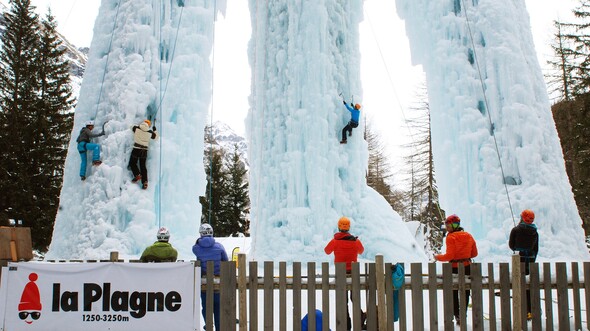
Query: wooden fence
{"points": [[271, 301], [275, 302]]}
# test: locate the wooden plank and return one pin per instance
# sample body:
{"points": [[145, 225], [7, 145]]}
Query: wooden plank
{"points": [[209, 297], [341, 306], [491, 298], [253, 295], [587, 292], [462, 297], [311, 304], [325, 296], [535, 292], [268, 289], [389, 297], [562, 299], [20, 238], [516, 293], [448, 296], [228, 295], [296, 295], [417, 296], [242, 292], [403, 324], [283, 296], [548, 296], [372, 298], [477, 297], [576, 296], [380, 278], [505, 307], [432, 296], [355, 295]]}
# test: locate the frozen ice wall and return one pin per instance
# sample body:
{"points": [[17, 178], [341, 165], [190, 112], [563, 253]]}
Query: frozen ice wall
{"points": [[303, 54], [148, 59], [486, 91]]}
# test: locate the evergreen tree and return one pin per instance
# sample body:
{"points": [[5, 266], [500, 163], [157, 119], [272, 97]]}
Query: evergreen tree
{"points": [[213, 203], [423, 195], [237, 201], [579, 52], [51, 129], [19, 99]]}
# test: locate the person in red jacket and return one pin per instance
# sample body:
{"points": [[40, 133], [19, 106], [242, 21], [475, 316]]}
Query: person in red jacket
{"points": [[461, 248], [346, 248]]}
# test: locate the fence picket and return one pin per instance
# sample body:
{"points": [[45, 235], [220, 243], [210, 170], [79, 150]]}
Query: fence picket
{"points": [[548, 296]]}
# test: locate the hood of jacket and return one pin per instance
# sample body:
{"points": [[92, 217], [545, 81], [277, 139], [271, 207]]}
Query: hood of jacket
{"points": [[144, 126], [344, 236], [206, 242]]}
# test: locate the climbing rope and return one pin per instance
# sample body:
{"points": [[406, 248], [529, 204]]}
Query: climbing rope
{"points": [[483, 88], [211, 117], [107, 59], [391, 83], [261, 124], [162, 95]]}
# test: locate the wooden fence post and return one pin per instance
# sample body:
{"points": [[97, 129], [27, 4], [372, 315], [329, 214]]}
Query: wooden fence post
{"points": [[114, 256], [242, 292], [381, 312], [516, 294]]}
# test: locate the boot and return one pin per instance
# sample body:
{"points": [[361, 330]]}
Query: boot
{"points": [[83, 177], [136, 179], [343, 141], [145, 185], [96, 163]]}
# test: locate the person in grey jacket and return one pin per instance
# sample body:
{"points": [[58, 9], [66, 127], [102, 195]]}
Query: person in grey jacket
{"points": [[85, 145], [141, 140], [206, 249]]}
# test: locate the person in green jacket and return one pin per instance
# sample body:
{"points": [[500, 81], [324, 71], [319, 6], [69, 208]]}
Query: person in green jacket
{"points": [[161, 250]]}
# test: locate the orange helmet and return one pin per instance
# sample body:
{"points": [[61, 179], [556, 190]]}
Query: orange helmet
{"points": [[527, 216], [453, 219], [343, 224], [357, 106], [149, 123]]}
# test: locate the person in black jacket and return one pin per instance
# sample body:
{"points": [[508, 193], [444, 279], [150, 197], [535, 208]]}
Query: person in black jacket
{"points": [[524, 239]]}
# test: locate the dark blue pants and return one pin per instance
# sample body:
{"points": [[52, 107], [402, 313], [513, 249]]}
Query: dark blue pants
{"points": [[348, 128], [216, 312]]}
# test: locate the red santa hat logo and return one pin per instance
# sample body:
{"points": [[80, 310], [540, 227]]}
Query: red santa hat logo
{"points": [[29, 308]]}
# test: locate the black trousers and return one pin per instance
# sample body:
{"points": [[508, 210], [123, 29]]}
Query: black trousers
{"points": [[348, 128], [139, 155], [456, 292]]}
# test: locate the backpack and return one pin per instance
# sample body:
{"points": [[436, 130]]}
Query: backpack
{"points": [[397, 275]]}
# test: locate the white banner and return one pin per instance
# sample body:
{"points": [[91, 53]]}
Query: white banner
{"points": [[99, 296]]}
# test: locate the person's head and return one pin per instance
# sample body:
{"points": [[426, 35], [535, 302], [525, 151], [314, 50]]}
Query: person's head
{"points": [[343, 224], [90, 124], [452, 223], [163, 234], [527, 216], [148, 122], [206, 230], [357, 106]]}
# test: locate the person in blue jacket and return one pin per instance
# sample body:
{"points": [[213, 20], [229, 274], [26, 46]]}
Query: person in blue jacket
{"points": [[318, 321], [355, 112], [84, 145], [207, 249]]}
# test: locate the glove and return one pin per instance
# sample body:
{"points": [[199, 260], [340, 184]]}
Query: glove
{"points": [[344, 102], [154, 128], [352, 105]]}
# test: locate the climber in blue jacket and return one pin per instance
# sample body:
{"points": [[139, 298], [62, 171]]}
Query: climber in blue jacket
{"points": [[355, 112]]}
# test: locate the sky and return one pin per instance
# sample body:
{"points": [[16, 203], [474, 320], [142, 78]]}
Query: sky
{"points": [[389, 80]]}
